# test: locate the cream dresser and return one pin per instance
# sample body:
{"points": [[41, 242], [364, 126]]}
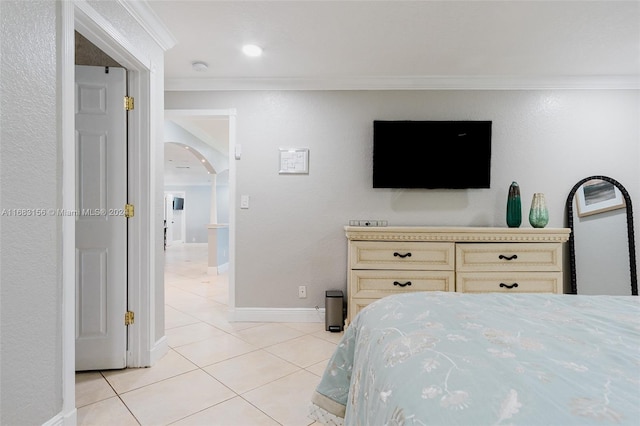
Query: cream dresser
{"points": [[395, 259]]}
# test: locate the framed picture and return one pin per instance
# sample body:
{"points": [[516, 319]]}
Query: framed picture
{"points": [[597, 196], [294, 161]]}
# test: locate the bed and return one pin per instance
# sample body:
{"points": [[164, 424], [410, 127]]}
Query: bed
{"points": [[446, 358]]}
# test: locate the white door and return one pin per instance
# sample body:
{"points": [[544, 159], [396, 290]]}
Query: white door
{"points": [[101, 228], [167, 218], [175, 219], [168, 211], [178, 220]]}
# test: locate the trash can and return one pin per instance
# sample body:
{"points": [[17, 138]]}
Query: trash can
{"points": [[333, 311]]}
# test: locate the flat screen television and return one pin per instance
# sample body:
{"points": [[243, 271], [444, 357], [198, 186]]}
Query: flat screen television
{"points": [[178, 203], [431, 154]]}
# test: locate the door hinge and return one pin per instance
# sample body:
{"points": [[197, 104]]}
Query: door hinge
{"points": [[128, 211], [128, 103], [128, 318]]}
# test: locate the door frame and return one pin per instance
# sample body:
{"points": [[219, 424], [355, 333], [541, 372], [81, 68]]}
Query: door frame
{"points": [[230, 113], [144, 179]]}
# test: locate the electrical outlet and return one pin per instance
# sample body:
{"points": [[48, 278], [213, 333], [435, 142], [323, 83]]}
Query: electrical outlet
{"points": [[302, 291]]}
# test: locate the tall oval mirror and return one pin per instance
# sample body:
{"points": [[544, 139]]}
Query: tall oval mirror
{"points": [[602, 258]]}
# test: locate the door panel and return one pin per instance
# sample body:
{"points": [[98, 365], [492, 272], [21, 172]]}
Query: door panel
{"points": [[92, 266], [101, 229]]}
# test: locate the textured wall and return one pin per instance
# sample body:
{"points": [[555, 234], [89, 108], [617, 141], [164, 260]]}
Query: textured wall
{"points": [[293, 232], [30, 300]]}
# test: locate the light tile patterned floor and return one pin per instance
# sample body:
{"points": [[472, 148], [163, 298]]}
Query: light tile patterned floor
{"points": [[216, 372]]}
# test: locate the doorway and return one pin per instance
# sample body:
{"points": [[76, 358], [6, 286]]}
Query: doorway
{"points": [[101, 182], [230, 116], [175, 217], [146, 340]]}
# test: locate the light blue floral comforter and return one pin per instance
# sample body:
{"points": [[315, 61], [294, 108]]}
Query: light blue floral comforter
{"points": [[439, 358]]}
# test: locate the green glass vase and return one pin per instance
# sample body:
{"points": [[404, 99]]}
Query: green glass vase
{"points": [[538, 214], [514, 206]]}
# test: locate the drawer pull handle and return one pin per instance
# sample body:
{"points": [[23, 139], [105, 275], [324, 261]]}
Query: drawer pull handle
{"points": [[405, 284], [514, 285], [502, 256], [402, 256]]}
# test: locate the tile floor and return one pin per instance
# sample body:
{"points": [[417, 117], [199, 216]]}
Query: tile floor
{"points": [[216, 372]]}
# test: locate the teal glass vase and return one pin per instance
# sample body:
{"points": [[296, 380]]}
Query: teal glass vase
{"points": [[538, 214], [514, 206]]}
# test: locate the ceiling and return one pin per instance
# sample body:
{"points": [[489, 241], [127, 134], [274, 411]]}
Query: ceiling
{"points": [[183, 164], [398, 45], [401, 44]]}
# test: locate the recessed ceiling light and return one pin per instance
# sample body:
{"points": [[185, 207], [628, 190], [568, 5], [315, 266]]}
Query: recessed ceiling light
{"points": [[252, 50], [199, 66]]}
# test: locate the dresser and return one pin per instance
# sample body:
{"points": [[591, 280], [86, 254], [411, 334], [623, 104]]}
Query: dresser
{"points": [[395, 259]]}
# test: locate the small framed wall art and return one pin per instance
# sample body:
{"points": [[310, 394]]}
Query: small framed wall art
{"points": [[597, 196], [294, 161]]}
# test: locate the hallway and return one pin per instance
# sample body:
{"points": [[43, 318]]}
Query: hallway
{"points": [[216, 372]]}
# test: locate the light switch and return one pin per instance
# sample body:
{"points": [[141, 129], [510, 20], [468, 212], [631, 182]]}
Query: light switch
{"points": [[238, 152], [244, 201]]}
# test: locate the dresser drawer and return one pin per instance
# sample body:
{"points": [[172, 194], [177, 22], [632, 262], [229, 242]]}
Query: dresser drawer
{"points": [[509, 257], [507, 282], [357, 305], [402, 255], [375, 284]]}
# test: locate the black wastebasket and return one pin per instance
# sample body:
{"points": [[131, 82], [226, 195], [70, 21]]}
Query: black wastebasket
{"points": [[333, 312]]}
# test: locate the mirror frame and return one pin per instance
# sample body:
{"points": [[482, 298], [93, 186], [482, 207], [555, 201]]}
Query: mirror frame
{"points": [[630, 237]]}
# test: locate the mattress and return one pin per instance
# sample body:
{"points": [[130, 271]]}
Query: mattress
{"points": [[442, 358]]}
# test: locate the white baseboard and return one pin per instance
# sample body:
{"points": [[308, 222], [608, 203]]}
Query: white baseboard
{"points": [[276, 315], [217, 270], [159, 350], [63, 419], [58, 420]]}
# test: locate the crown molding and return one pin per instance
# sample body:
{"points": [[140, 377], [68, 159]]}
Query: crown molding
{"points": [[623, 82], [147, 18], [108, 38]]}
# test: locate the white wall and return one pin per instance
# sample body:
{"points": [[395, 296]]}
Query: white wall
{"points": [[222, 197], [36, 38], [30, 251], [292, 234]]}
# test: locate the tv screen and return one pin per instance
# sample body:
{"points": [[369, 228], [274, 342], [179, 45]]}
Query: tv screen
{"points": [[178, 203], [431, 154]]}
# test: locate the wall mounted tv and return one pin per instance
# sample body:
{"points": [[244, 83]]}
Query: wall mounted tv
{"points": [[178, 203], [431, 154]]}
